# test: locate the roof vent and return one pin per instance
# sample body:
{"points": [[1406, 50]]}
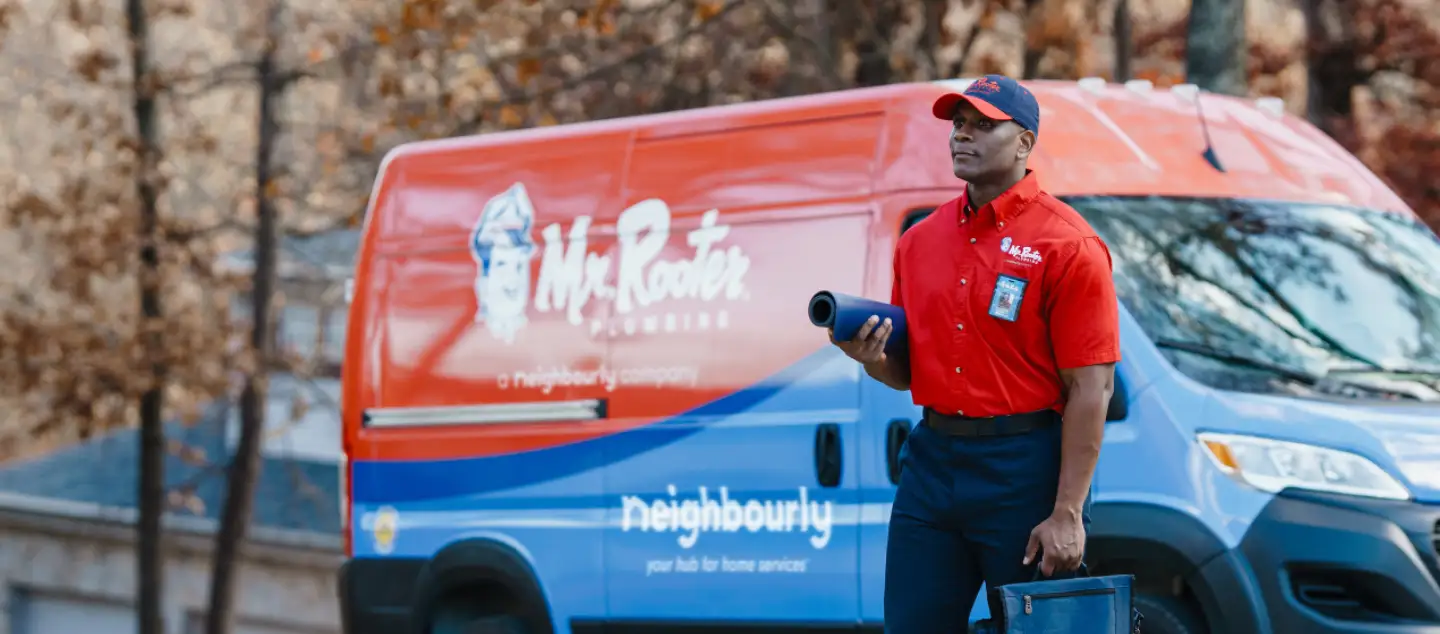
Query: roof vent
{"points": [[1092, 84], [1185, 91], [1139, 85], [1273, 106]]}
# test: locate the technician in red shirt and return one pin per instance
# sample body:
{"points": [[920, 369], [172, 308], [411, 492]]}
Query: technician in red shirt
{"points": [[1014, 328]]}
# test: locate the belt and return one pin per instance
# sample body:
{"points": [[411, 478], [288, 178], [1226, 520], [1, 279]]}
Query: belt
{"points": [[1007, 425]]}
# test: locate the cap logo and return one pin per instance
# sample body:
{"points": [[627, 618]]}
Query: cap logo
{"points": [[986, 86]]}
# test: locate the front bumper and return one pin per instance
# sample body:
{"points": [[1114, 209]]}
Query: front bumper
{"points": [[376, 594], [1329, 563]]}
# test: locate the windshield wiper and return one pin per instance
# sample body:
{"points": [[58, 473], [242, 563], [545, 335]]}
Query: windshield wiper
{"points": [[1238, 359], [1403, 372]]}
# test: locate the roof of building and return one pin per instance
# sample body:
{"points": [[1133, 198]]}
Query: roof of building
{"points": [[293, 493]]}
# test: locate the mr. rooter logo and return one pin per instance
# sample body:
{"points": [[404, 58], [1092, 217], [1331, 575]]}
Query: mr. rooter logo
{"points": [[571, 276]]}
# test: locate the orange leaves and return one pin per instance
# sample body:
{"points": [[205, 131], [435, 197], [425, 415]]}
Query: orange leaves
{"points": [[418, 15], [382, 35], [527, 69], [8, 10], [707, 9], [390, 85], [600, 18], [510, 116], [173, 8], [93, 63]]}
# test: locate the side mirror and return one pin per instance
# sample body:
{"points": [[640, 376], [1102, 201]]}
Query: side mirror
{"points": [[1119, 401]]}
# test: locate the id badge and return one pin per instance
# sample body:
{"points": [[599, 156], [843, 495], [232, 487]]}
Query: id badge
{"points": [[1009, 292]]}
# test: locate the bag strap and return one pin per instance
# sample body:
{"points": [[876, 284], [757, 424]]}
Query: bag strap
{"points": [[1083, 571]]}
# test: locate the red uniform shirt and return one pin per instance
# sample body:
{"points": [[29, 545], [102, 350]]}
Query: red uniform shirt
{"points": [[998, 303]]}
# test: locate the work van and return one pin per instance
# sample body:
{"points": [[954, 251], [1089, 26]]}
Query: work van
{"points": [[582, 394]]}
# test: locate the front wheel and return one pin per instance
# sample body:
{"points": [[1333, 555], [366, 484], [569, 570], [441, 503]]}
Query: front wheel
{"points": [[1167, 615], [457, 622]]}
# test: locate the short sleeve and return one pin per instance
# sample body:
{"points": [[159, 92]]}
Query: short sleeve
{"points": [[1084, 313], [895, 298]]}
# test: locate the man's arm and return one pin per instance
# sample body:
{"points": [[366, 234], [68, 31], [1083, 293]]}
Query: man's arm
{"points": [[892, 369], [1084, 319], [1087, 398]]}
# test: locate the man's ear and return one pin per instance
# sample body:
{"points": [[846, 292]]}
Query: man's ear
{"points": [[1026, 144]]}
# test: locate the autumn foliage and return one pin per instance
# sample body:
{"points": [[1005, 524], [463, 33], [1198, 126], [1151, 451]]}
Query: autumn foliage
{"points": [[365, 76]]}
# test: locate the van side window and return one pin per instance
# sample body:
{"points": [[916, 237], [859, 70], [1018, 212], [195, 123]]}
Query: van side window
{"points": [[915, 215]]}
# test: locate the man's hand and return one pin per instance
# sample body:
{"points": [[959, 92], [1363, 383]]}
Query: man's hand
{"points": [[868, 345], [1062, 539]]}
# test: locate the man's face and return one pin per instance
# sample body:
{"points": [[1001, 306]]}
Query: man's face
{"points": [[981, 147]]}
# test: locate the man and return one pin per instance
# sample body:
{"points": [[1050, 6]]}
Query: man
{"points": [[1013, 336]]}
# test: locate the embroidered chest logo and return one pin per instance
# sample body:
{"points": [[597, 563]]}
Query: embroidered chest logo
{"points": [[1026, 255]]}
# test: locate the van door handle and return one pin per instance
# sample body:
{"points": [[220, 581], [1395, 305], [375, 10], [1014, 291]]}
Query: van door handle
{"points": [[829, 463], [895, 436]]}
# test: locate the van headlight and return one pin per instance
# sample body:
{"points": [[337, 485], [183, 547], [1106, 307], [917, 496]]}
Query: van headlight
{"points": [[1271, 465]]}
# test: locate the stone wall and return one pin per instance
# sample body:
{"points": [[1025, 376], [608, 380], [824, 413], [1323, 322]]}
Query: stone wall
{"points": [[287, 580]]}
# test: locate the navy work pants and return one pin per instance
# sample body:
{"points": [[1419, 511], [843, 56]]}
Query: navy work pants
{"points": [[963, 513]]}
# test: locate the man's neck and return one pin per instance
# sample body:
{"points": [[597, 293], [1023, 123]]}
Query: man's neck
{"points": [[982, 194]]}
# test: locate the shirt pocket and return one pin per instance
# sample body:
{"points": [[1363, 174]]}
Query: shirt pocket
{"points": [[1007, 295]]}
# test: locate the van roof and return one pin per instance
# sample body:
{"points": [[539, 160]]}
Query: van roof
{"points": [[1096, 138]]}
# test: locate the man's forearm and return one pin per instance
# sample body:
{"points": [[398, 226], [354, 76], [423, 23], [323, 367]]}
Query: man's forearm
{"points": [[893, 370], [1081, 433]]}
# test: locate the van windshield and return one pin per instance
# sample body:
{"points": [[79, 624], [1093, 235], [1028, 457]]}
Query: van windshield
{"points": [[1288, 290]]}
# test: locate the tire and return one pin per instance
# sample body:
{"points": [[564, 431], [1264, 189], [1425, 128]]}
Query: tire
{"points": [[455, 622], [1168, 615], [495, 625]]}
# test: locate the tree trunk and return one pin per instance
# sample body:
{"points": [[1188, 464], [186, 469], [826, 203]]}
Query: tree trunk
{"points": [[871, 25], [150, 496], [1034, 51], [1215, 46], [244, 465], [1124, 42], [1333, 66]]}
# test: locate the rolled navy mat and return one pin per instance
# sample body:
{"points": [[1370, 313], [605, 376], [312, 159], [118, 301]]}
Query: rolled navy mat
{"points": [[846, 313]]}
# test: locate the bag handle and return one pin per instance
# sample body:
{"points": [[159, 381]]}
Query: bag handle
{"points": [[1083, 571]]}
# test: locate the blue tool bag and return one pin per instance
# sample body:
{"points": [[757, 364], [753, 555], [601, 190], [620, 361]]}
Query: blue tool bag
{"points": [[1082, 605]]}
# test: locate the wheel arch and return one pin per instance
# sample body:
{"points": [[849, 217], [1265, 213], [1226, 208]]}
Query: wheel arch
{"points": [[491, 577], [1173, 553]]}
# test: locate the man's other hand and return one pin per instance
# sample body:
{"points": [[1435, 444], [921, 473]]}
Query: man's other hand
{"points": [[1062, 539], [868, 345]]}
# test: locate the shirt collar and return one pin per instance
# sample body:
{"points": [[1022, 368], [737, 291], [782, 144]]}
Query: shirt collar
{"points": [[1009, 204]]}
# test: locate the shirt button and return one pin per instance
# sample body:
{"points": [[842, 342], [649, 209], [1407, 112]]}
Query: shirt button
{"points": [[963, 281], [959, 412], [1002, 225], [957, 370], [959, 327], [972, 240]]}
